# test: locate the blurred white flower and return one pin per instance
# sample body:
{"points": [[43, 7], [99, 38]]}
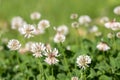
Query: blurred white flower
{"points": [[118, 35], [84, 20], [110, 35], [83, 61], [113, 25], [74, 16], [28, 45], [59, 38], [43, 24], [17, 22], [51, 56], [102, 46], [63, 29], [48, 46], [37, 49], [75, 24], [27, 30], [35, 15], [68, 47], [22, 50], [74, 78], [93, 29], [14, 44], [117, 10], [39, 31], [104, 20]]}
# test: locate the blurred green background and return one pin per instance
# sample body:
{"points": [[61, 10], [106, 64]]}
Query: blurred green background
{"points": [[57, 11]]}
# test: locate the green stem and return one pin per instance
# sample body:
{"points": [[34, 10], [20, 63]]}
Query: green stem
{"points": [[62, 50], [40, 67], [83, 75]]}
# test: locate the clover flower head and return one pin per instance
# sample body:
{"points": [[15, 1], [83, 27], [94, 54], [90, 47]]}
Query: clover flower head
{"points": [[118, 35], [83, 61], [117, 10], [63, 29], [102, 46], [93, 29], [75, 24], [113, 25], [59, 38], [110, 35], [37, 49], [84, 20], [51, 56], [74, 16], [17, 22], [14, 44], [43, 24], [104, 20], [35, 15], [27, 30], [74, 78]]}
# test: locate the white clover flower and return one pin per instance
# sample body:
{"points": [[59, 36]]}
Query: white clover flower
{"points": [[102, 46], [74, 78], [110, 35], [22, 50], [83, 61], [63, 29], [17, 22], [104, 20], [93, 29], [35, 15], [85, 19], [118, 35], [68, 47], [74, 16], [14, 44], [51, 56], [43, 24], [28, 45], [59, 38], [27, 30], [75, 24], [37, 49], [39, 31], [117, 10], [113, 25], [48, 46]]}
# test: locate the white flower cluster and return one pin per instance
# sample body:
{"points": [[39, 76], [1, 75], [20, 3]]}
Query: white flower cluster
{"points": [[38, 50], [117, 10], [14, 44], [102, 46], [83, 61], [74, 78], [35, 15], [60, 36], [82, 20], [113, 25], [51, 56], [29, 30]]}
